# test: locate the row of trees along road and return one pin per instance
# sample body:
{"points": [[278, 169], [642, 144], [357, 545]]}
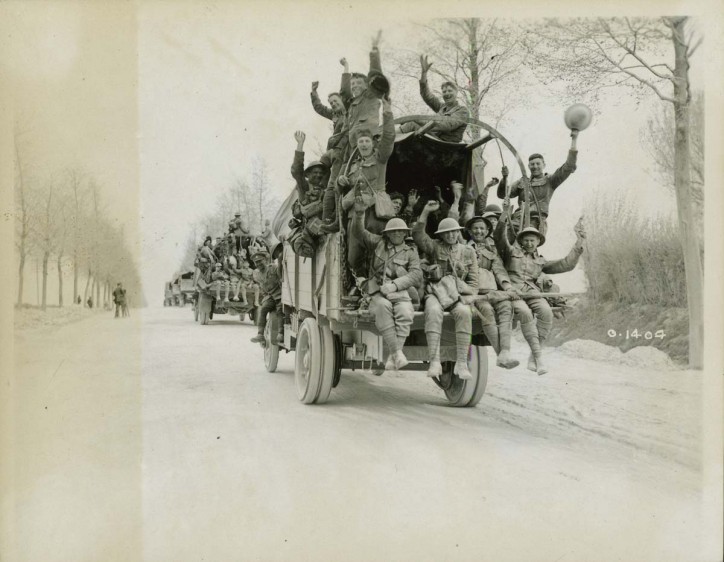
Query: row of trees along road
{"points": [[644, 56], [61, 217]]}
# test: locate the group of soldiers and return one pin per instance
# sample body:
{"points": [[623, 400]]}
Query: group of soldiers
{"points": [[241, 265], [489, 268]]}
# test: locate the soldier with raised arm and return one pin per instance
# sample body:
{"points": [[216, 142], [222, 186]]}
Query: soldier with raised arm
{"points": [[453, 273], [525, 265], [452, 117]]}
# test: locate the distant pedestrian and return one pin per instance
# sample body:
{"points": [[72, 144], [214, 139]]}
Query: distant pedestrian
{"points": [[89, 302], [119, 299]]}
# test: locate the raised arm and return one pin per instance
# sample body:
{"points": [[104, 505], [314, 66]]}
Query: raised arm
{"points": [[375, 61], [317, 104], [358, 231], [500, 235], [298, 163], [482, 201], [387, 142], [569, 166], [423, 241], [571, 260], [432, 102], [345, 88]]}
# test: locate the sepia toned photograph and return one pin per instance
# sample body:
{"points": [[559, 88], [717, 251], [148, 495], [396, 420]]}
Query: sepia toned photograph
{"points": [[395, 281]]}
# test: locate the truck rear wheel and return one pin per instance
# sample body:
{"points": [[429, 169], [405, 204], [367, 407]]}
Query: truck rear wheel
{"points": [[331, 363], [308, 361], [466, 393], [271, 349]]}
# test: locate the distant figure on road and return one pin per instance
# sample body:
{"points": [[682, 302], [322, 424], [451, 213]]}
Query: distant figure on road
{"points": [[119, 299], [78, 300], [89, 302]]}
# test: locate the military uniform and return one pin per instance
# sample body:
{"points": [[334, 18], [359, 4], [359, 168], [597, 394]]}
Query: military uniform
{"points": [[222, 278], [399, 265], [270, 283], [364, 110], [459, 261], [308, 208], [453, 117]]}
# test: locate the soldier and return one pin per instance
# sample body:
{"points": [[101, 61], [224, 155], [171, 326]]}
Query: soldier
{"points": [[309, 186], [525, 265], [232, 266], [453, 272], [269, 278], [541, 186], [366, 176], [207, 258], [364, 108], [452, 117], [222, 278], [337, 144], [394, 269], [248, 284], [119, 298], [492, 277]]}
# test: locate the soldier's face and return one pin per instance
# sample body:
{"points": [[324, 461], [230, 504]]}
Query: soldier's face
{"points": [[529, 242], [397, 205], [536, 167], [448, 93], [357, 86], [493, 221], [365, 145], [336, 103], [397, 237], [450, 238], [479, 231], [315, 176]]}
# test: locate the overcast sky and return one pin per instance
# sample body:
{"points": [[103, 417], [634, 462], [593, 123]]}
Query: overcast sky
{"points": [[168, 105]]}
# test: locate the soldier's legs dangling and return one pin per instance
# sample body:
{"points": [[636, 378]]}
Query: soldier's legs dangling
{"points": [[463, 329], [504, 312], [384, 321], [544, 317], [487, 319], [404, 313], [433, 329], [267, 306], [530, 332]]}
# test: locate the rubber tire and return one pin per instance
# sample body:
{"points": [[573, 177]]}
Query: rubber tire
{"points": [[308, 361], [330, 363], [271, 349], [467, 393]]}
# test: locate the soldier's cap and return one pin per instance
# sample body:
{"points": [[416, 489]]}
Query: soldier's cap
{"points": [[314, 164], [489, 214], [208, 239], [531, 230], [217, 264], [493, 208], [448, 225], [277, 250], [535, 155], [379, 85], [237, 214], [479, 218], [395, 224]]}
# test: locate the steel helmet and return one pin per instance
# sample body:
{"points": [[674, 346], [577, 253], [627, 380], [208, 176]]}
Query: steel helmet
{"points": [[447, 225], [531, 230], [314, 164], [479, 218], [260, 253], [395, 224], [493, 208]]}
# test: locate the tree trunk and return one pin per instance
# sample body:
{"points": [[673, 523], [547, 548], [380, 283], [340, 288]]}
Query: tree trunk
{"points": [[75, 277], [87, 284], [682, 184], [21, 271], [98, 293], [60, 281], [46, 256]]}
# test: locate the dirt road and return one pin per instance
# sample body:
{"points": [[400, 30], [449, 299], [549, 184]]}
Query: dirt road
{"points": [[159, 439]]}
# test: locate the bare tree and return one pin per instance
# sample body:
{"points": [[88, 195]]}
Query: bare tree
{"points": [[24, 213], [76, 179], [646, 55]]}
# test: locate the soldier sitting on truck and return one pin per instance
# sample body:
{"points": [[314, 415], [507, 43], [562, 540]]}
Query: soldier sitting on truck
{"points": [[221, 278], [453, 272], [540, 186], [525, 265], [207, 259], [337, 145], [233, 269], [269, 277], [452, 117], [248, 283], [394, 270], [366, 177], [492, 278], [308, 210]]}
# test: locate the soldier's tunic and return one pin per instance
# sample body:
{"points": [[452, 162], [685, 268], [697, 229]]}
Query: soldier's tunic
{"points": [[270, 283], [452, 117], [491, 276], [364, 110]]}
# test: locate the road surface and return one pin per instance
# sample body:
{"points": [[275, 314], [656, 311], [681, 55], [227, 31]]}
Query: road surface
{"points": [[158, 439]]}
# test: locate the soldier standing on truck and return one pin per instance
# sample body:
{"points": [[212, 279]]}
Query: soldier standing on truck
{"points": [[310, 181], [394, 270], [337, 145], [525, 265], [269, 277], [453, 272], [452, 117], [540, 186], [494, 284]]}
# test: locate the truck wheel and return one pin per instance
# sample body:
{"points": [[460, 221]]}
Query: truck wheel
{"points": [[308, 361], [467, 393], [331, 364], [271, 349]]}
